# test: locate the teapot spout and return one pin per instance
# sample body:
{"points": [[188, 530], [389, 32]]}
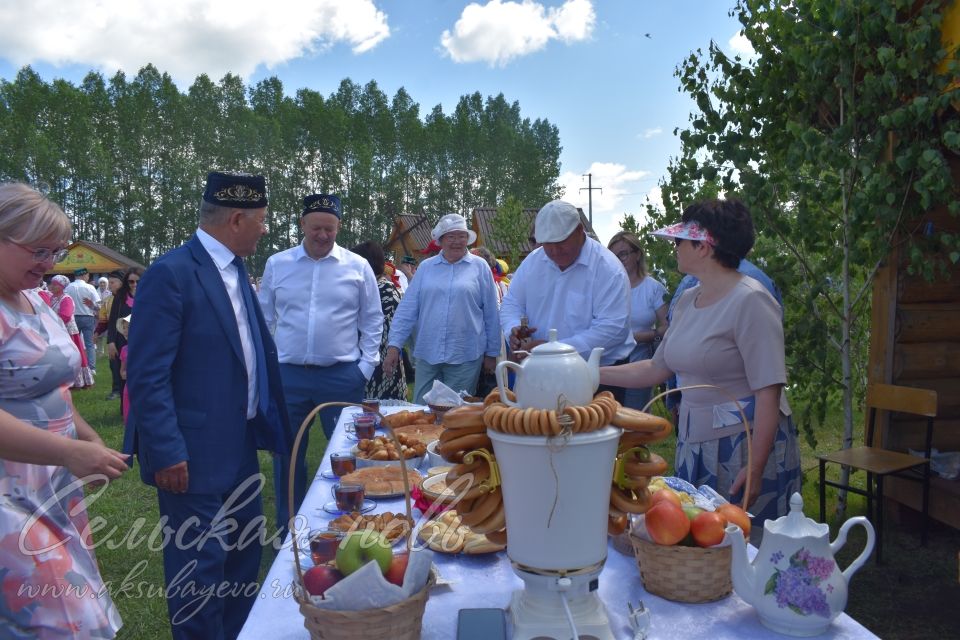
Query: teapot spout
{"points": [[742, 573], [593, 364]]}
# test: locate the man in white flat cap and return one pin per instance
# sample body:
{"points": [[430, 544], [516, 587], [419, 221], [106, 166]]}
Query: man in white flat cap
{"points": [[450, 309], [573, 284]]}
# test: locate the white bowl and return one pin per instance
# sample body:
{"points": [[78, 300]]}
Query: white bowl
{"points": [[434, 459]]}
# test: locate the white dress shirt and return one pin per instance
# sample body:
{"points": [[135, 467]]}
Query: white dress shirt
{"points": [[588, 303], [323, 311], [80, 291], [223, 258]]}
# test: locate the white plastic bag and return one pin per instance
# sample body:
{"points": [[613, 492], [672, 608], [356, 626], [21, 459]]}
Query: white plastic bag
{"points": [[442, 395]]}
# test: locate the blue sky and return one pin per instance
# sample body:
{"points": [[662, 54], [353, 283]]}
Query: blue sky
{"points": [[587, 66]]}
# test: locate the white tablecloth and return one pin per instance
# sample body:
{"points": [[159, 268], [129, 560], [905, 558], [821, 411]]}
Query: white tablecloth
{"points": [[488, 581]]}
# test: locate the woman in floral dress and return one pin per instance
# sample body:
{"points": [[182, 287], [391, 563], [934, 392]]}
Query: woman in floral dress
{"points": [[379, 385], [50, 585]]}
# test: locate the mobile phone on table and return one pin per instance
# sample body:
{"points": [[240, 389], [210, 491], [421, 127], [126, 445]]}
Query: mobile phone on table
{"points": [[481, 624]]}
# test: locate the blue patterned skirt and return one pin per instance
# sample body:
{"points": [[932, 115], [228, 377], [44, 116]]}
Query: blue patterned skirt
{"points": [[717, 462]]}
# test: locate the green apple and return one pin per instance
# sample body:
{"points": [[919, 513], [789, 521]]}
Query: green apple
{"points": [[360, 547]]}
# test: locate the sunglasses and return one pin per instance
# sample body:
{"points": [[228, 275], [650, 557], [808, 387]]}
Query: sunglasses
{"points": [[44, 255], [623, 255], [677, 241], [133, 281]]}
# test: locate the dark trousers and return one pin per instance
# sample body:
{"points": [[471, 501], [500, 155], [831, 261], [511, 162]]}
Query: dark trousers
{"points": [[304, 387], [211, 570], [117, 382]]}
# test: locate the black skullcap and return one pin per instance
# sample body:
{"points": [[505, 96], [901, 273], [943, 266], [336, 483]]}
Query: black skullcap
{"points": [[236, 190], [322, 202]]}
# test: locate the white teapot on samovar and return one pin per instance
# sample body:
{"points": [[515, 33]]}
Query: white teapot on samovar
{"points": [[794, 582], [552, 371]]}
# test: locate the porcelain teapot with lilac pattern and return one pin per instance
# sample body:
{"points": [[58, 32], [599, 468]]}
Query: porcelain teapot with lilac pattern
{"points": [[794, 582]]}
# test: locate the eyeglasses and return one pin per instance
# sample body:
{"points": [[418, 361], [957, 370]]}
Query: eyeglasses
{"points": [[623, 255], [45, 255]]}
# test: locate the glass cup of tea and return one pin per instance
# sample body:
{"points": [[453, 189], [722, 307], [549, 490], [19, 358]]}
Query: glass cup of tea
{"points": [[348, 496], [371, 405], [364, 428], [323, 544], [342, 463]]}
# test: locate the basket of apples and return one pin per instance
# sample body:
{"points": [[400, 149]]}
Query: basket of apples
{"points": [[681, 548], [368, 590]]}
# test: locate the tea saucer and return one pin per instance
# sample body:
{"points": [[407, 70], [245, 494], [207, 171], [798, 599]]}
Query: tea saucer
{"points": [[327, 474], [331, 507]]}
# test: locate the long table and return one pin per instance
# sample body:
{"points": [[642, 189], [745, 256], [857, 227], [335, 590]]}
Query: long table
{"points": [[488, 581]]}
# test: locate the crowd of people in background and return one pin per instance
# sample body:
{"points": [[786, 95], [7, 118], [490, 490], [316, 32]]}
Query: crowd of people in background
{"points": [[220, 364]]}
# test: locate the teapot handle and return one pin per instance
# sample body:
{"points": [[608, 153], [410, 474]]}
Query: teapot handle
{"points": [[502, 381], [842, 539]]}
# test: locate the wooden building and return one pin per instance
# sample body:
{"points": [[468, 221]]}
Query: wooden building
{"points": [[94, 257], [409, 237], [915, 342]]}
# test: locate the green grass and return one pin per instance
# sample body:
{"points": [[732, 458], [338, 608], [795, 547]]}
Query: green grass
{"points": [[135, 572], [913, 595]]}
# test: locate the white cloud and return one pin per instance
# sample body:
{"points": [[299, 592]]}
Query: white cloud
{"points": [[741, 46], [649, 133], [498, 32], [655, 198], [608, 206], [184, 37]]}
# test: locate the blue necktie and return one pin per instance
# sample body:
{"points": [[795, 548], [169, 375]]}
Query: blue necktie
{"points": [[246, 291]]}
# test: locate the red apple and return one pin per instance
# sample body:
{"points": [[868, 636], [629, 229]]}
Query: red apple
{"points": [[707, 528], [666, 523], [398, 567], [317, 580]]}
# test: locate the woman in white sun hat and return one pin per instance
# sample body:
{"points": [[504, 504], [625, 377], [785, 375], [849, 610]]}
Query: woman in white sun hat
{"points": [[450, 310]]}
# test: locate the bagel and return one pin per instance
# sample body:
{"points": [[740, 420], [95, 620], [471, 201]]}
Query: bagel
{"points": [[451, 434], [496, 521], [491, 414], [656, 466], [597, 414], [633, 420], [494, 396], [463, 417], [464, 468], [467, 442], [543, 422], [605, 394], [482, 508], [553, 423], [497, 537], [616, 524], [628, 500]]}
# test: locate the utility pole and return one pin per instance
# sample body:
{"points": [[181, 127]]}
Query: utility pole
{"points": [[590, 189]]}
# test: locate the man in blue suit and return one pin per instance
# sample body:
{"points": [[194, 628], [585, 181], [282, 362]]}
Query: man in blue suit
{"points": [[205, 394]]}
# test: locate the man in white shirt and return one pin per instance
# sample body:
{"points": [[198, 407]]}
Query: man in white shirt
{"points": [[573, 284], [324, 304], [86, 305]]}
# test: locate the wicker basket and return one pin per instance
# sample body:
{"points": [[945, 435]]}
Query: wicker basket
{"points": [[683, 574], [400, 621]]}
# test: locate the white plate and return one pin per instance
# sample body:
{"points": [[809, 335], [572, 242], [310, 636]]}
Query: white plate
{"points": [[412, 463]]}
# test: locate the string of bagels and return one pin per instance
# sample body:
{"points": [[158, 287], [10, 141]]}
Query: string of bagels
{"points": [[474, 484]]}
